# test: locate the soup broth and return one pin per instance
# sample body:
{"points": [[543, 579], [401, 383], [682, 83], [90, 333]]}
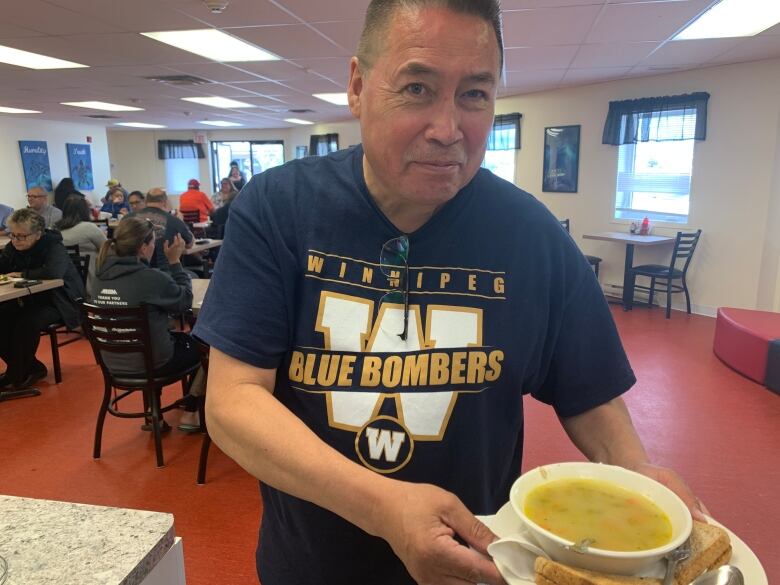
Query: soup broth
{"points": [[610, 516]]}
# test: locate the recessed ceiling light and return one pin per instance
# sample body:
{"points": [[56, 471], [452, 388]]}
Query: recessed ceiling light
{"points": [[218, 102], [212, 44], [139, 125], [34, 60], [297, 121], [340, 99], [220, 123], [103, 106], [733, 18], [7, 110]]}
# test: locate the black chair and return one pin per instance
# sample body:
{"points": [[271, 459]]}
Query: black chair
{"points": [[594, 261], [124, 331], [58, 328], [684, 247], [204, 447]]}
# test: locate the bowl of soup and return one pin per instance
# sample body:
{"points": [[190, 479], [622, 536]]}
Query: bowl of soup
{"points": [[600, 517]]}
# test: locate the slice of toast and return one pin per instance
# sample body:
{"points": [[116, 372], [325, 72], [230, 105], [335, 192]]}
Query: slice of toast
{"points": [[710, 548]]}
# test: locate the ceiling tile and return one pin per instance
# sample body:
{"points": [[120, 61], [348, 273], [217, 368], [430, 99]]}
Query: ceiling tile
{"points": [[595, 74], [291, 42], [519, 80], [11, 31], [217, 72], [689, 52], [335, 68], [508, 5], [548, 26], [345, 34], [612, 54], [239, 13], [126, 15], [644, 21], [54, 19], [312, 11], [750, 49], [522, 59]]}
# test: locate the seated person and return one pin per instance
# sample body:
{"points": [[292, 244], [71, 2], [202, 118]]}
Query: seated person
{"points": [[193, 199], [116, 204], [136, 201], [38, 201], [77, 230], [34, 253], [166, 225], [5, 213], [220, 217], [125, 279], [226, 191]]}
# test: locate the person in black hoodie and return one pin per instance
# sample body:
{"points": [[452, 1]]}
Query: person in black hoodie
{"points": [[124, 278], [34, 253]]}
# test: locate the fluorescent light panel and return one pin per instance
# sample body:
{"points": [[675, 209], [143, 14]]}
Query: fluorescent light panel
{"points": [[220, 123], [340, 99], [139, 125], [103, 106], [34, 60], [7, 110], [297, 121], [733, 18], [218, 102], [212, 44]]}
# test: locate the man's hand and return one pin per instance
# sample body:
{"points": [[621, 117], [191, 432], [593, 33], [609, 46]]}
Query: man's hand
{"points": [[174, 250], [674, 482], [421, 526]]}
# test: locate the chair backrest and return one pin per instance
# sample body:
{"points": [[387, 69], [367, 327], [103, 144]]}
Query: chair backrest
{"points": [[73, 250], [118, 330], [684, 247], [565, 224], [191, 217], [82, 266]]}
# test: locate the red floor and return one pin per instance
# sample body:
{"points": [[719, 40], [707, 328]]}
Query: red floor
{"points": [[720, 430]]}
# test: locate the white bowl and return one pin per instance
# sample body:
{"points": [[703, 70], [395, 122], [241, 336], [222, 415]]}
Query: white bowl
{"points": [[606, 561]]}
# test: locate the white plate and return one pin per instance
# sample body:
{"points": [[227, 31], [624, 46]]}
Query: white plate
{"points": [[505, 522]]}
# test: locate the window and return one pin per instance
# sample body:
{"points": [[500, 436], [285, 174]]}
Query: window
{"points": [[253, 157], [503, 143], [656, 138], [178, 171], [654, 177]]}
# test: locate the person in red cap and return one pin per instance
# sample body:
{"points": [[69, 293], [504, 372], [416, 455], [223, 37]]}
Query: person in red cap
{"points": [[193, 199]]}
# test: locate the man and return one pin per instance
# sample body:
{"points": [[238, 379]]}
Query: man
{"points": [[377, 314], [136, 201], [193, 199], [38, 201], [5, 213], [166, 226]]}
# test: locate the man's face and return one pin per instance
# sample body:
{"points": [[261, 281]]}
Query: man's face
{"points": [[36, 199], [22, 236], [135, 202], [426, 106]]}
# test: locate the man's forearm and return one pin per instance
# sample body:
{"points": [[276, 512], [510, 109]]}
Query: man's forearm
{"points": [[607, 435]]}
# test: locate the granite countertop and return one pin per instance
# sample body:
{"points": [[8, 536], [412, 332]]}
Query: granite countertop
{"points": [[48, 542]]}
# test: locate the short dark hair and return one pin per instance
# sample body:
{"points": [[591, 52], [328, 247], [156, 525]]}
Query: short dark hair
{"points": [[74, 211], [138, 194], [380, 12]]}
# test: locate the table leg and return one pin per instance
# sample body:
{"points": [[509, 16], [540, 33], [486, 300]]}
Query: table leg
{"points": [[628, 287]]}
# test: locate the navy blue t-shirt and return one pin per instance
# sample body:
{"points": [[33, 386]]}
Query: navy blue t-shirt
{"points": [[501, 303]]}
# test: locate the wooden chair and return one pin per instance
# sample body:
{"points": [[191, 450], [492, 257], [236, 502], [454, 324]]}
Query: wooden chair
{"points": [[125, 331], [58, 328], [594, 261], [684, 247]]}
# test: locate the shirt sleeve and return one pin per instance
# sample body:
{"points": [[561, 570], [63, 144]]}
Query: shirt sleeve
{"points": [[247, 312], [95, 236]]}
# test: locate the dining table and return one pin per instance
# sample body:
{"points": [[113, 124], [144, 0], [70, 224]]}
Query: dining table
{"points": [[9, 292], [629, 240]]}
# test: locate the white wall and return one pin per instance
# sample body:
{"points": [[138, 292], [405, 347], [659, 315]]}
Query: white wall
{"points": [[12, 129], [735, 191]]}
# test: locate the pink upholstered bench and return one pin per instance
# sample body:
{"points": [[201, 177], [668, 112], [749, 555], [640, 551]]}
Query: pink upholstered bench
{"points": [[749, 342]]}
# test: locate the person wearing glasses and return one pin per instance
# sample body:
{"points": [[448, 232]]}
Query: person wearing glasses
{"points": [[34, 253], [136, 201], [377, 314], [38, 201]]}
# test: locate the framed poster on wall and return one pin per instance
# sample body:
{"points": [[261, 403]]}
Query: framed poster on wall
{"points": [[561, 159], [80, 165], [35, 162]]}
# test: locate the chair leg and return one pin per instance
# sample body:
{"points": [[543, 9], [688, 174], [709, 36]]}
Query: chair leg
{"points": [[652, 292], [204, 457], [101, 419], [55, 356], [668, 298], [687, 296], [154, 399]]}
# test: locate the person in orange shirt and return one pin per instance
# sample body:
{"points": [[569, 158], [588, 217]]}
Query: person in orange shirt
{"points": [[193, 199]]}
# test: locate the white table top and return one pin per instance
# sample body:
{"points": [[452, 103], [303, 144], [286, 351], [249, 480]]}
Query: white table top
{"points": [[199, 288], [626, 238], [46, 542], [9, 291], [202, 247]]}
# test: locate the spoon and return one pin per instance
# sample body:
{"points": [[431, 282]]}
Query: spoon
{"points": [[725, 575], [681, 553]]}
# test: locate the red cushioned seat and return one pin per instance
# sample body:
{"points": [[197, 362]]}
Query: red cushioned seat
{"points": [[742, 338]]}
